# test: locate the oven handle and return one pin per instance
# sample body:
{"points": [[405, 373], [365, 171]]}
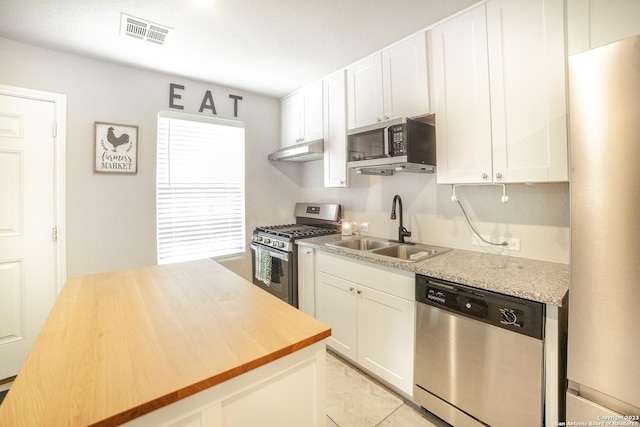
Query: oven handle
{"points": [[274, 254]]}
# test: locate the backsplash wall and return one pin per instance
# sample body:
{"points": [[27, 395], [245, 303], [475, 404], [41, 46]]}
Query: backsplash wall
{"points": [[536, 214]]}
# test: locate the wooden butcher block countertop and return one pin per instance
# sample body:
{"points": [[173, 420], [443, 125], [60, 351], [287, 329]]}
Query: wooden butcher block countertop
{"points": [[119, 345]]}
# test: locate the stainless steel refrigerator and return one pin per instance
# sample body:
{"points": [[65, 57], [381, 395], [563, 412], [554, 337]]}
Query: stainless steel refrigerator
{"points": [[603, 365]]}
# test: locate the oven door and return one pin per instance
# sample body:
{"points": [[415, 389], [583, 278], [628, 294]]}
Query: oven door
{"points": [[282, 274]]}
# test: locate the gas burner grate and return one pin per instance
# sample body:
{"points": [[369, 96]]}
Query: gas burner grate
{"points": [[292, 231]]}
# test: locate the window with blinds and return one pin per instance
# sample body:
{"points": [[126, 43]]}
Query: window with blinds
{"points": [[199, 188]]}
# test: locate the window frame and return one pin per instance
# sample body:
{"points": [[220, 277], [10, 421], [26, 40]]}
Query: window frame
{"points": [[237, 230]]}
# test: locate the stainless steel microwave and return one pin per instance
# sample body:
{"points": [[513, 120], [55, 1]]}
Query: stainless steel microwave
{"points": [[400, 144]]}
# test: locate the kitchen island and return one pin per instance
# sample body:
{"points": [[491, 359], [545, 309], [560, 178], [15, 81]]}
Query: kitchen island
{"points": [[182, 343]]}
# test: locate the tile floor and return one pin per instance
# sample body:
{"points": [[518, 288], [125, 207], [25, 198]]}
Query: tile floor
{"points": [[355, 400]]}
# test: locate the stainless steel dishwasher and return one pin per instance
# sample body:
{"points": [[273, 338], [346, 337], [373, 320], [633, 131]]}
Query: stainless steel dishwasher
{"points": [[479, 355]]}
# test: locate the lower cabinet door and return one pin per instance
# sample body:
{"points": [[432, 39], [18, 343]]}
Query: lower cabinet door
{"points": [[336, 306], [386, 326]]}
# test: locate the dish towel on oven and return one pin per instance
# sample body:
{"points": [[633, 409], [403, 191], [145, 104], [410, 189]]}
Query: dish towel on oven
{"points": [[263, 266]]}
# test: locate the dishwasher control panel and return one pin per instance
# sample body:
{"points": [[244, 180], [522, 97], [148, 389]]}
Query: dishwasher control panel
{"points": [[504, 311]]}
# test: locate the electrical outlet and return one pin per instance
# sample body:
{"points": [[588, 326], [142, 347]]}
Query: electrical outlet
{"points": [[513, 242], [364, 226]]}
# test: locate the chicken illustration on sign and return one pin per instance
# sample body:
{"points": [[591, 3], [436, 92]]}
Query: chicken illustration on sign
{"points": [[116, 140], [116, 148]]}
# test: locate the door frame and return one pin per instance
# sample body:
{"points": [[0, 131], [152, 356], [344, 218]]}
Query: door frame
{"points": [[60, 140]]}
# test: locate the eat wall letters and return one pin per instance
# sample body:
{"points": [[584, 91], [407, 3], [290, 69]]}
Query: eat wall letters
{"points": [[207, 101]]}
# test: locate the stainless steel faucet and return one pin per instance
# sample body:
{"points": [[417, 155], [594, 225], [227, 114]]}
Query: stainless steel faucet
{"points": [[402, 232]]}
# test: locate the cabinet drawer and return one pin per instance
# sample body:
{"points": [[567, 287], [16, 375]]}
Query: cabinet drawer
{"points": [[395, 282]]}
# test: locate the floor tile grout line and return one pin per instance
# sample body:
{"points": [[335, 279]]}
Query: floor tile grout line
{"points": [[404, 401], [348, 364], [392, 412]]}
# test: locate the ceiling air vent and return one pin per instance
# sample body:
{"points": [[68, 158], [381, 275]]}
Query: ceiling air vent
{"points": [[143, 30]]}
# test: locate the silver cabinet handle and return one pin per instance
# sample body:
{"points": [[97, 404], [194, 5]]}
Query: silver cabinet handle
{"points": [[498, 175], [351, 289], [485, 176], [359, 291]]}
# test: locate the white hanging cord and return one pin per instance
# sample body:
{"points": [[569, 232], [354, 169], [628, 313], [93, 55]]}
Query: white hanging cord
{"points": [[504, 200]]}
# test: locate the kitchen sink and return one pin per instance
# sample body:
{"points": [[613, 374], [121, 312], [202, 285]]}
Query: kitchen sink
{"points": [[399, 251], [410, 252], [362, 244]]}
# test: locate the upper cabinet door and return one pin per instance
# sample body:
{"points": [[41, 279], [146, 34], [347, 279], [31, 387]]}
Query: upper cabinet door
{"points": [[335, 130], [365, 92], [594, 23], [312, 128], [390, 84], [528, 97], [404, 77], [301, 115], [499, 83], [290, 119], [461, 95]]}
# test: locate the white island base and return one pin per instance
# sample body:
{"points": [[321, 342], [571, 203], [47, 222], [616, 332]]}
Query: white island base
{"points": [[288, 392]]}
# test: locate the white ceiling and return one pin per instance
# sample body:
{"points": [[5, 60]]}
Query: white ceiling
{"points": [[270, 47]]}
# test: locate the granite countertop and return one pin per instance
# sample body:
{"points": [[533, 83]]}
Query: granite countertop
{"points": [[541, 281]]}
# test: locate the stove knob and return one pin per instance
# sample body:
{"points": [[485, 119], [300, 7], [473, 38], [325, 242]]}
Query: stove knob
{"points": [[266, 241], [279, 244]]}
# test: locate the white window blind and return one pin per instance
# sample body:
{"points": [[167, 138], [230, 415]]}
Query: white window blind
{"points": [[200, 188]]}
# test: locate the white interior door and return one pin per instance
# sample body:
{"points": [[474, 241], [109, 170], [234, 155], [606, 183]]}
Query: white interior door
{"points": [[28, 285]]}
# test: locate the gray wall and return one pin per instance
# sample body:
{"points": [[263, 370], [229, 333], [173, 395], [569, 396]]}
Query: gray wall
{"points": [[111, 218]]}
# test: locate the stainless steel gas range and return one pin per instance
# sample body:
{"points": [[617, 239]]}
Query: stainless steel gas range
{"points": [[275, 254]]}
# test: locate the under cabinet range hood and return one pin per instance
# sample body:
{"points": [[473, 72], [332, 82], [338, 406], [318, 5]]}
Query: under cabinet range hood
{"points": [[389, 167], [305, 152]]}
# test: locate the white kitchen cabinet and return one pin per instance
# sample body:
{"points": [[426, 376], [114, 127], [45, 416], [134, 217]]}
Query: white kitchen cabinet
{"points": [[461, 96], [371, 311], [364, 96], [336, 305], [499, 93], [594, 23], [335, 130], [306, 280], [386, 336], [389, 84], [301, 115]]}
